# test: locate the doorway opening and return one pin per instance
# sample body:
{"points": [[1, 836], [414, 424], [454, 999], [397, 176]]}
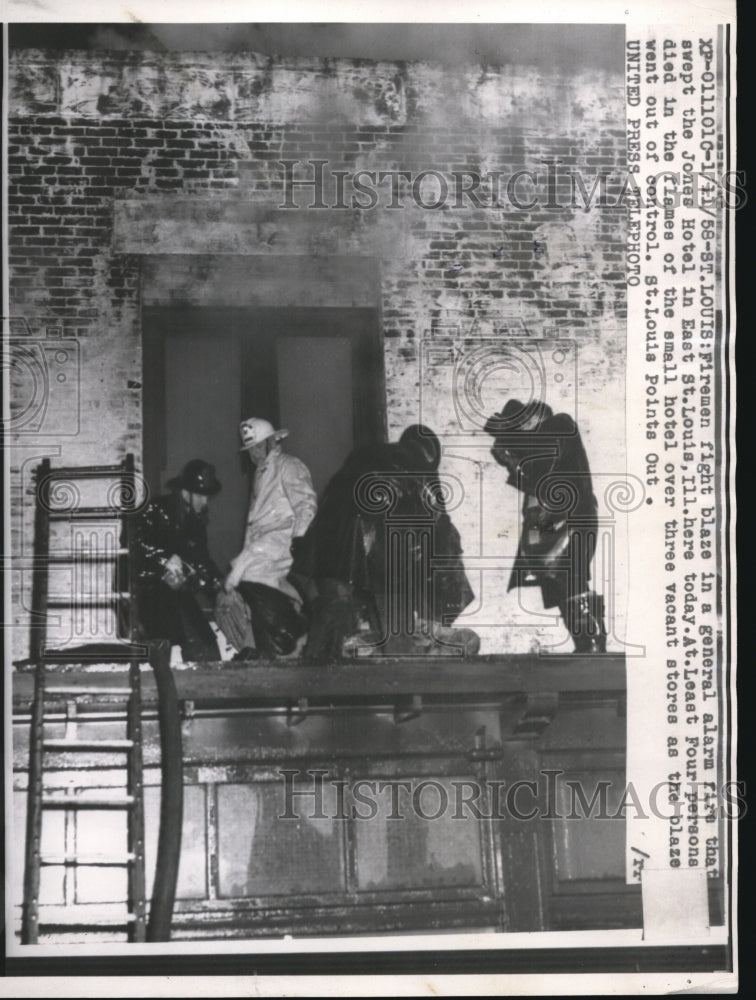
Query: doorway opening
{"points": [[316, 371]]}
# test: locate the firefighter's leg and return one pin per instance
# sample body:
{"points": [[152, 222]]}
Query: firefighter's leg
{"points": [[276, 623], [330, 621], [198, 642], [583, 615], [264, 644], [582, 609]]}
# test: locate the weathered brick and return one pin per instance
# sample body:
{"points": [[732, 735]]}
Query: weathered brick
{"points": [[69, 270]]}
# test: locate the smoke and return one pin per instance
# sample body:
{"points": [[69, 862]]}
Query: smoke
{"points": [[553, 46]]}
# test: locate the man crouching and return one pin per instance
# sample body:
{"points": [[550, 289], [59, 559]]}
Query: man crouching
{"points": [[173, 564]]}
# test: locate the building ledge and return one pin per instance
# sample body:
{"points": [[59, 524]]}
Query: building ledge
{"points": [[483, 678]]}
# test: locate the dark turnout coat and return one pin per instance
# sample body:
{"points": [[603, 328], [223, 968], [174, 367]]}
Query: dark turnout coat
{"points": [[372, 497], [451, 591], [164, 528], [558, 538], [345, 539]]}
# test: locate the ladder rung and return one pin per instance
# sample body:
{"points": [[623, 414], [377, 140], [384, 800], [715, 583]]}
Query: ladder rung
{"points": [[95, 653], [95, 802], [87, 689], [87, 860], [79, 745], [84, 916], [84, 512], [82, 555], [61, 601], [85, 472]]}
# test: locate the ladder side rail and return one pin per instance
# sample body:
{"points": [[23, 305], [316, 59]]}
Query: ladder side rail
{"points": [[40, 580], [33, 845], [37, 639], [137, 890], [128, 495]]}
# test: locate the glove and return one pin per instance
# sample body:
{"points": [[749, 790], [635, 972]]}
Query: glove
{"points": [[174, 573]]}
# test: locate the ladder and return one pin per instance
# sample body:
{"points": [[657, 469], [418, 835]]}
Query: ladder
{"points": [[54, 697]]}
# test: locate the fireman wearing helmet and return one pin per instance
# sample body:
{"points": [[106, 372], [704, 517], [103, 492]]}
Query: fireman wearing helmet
{"points": [[173, 565], [283, 503]]}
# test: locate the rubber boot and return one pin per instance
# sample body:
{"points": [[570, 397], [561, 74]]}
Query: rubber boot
{"points": [[584, 617], [330, 622]]}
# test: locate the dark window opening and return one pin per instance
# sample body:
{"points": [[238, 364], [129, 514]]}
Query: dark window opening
{"points": [[316, 371]]}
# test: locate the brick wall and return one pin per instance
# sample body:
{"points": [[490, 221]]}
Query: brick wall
{"points": [[116, 156]]}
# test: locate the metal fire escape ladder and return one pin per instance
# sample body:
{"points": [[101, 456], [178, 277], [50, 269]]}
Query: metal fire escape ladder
{"points": [[51, 690]]}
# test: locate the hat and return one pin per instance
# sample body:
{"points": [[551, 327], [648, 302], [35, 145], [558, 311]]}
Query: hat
{"points": [[421, 446], [255, 429], [514, 415], [196, 477]]}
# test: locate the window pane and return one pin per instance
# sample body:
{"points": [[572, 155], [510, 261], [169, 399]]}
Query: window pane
{"points": [[425, 846], [192, 877], [262, 854], [590, 847]]}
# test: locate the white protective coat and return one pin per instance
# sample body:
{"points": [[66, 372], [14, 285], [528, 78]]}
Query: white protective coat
{"points": [[283, 504]]}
